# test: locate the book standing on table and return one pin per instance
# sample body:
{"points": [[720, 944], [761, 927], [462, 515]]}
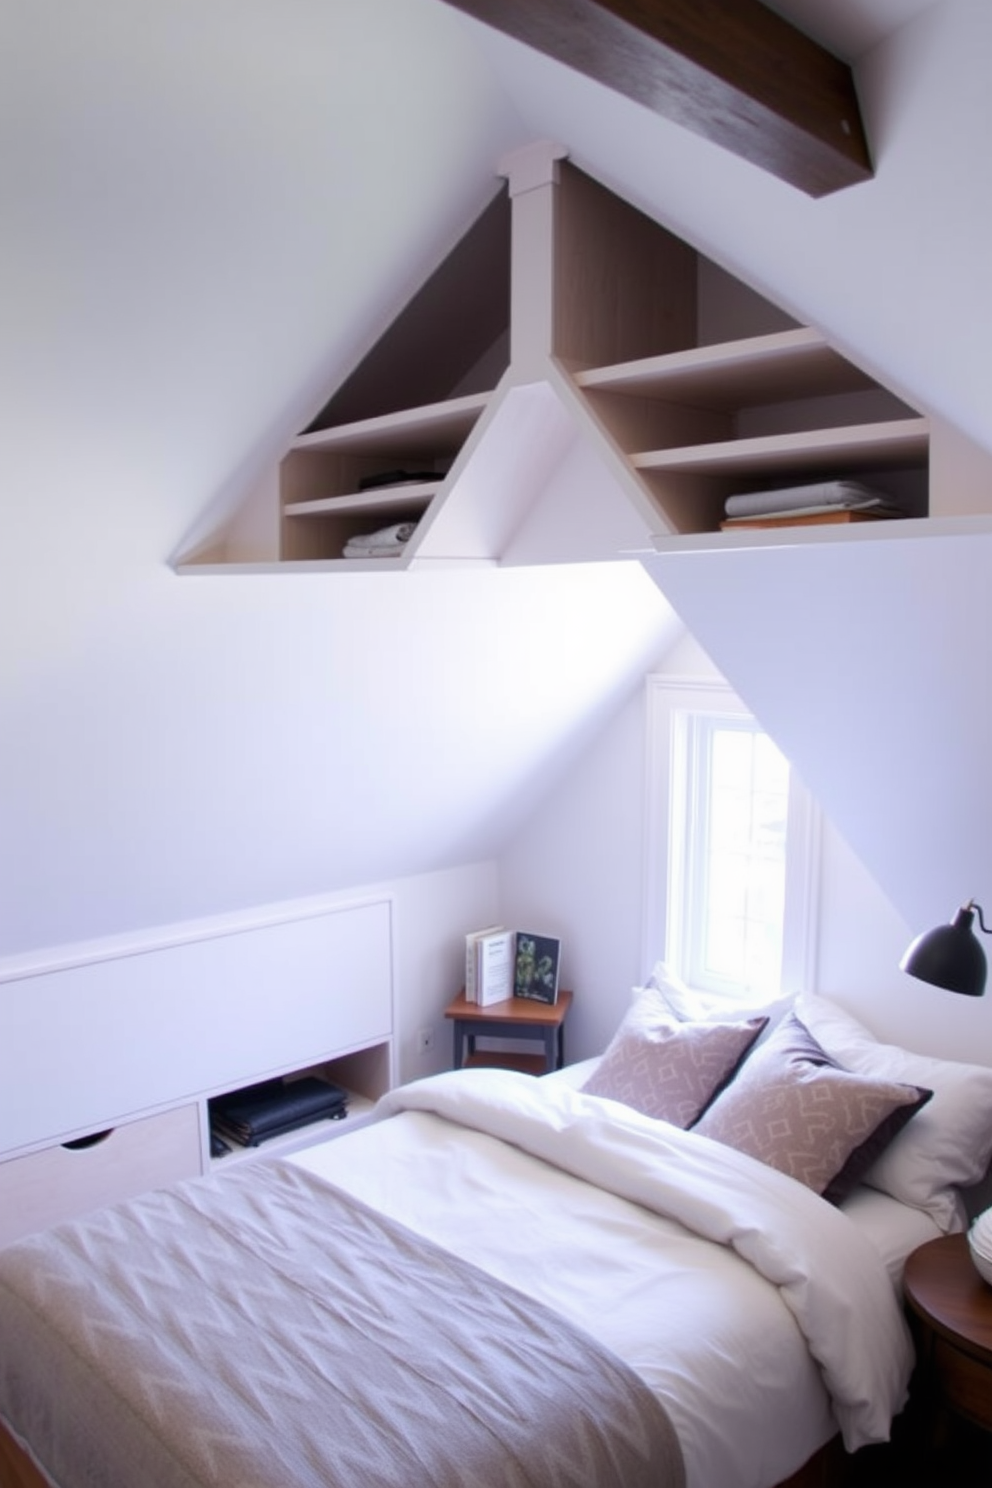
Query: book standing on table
{"points": [[536, 967], [472, 957], [501, 963]]}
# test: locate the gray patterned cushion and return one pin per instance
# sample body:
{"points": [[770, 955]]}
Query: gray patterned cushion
{"points": [[793, 1108], [666, 1068]]}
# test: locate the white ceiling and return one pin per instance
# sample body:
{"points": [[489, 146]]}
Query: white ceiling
{"points": [[848, 28]]}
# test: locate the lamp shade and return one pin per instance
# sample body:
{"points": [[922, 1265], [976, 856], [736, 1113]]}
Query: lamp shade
{"points": [[950, 956]]}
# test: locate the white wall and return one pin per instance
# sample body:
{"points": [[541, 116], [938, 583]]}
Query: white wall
{"points": [[188, 746], [862, 940], [573, 871], [578, 869], [432, 914], [129, 1023]]}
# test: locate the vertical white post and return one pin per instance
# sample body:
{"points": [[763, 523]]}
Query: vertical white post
{"points": [[532, 176]]}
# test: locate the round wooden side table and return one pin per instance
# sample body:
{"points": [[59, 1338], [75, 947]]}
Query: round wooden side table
{"points": [[951, 1311]]}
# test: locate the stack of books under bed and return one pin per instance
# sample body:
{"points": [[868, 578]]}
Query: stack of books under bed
{"points": [[259, 1112], [793, 506]]}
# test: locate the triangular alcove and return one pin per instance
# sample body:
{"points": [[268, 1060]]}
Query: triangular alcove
{"points": [[570, 342]]}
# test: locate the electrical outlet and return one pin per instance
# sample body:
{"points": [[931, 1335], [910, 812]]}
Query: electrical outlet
{"points": [[425, 1041]]}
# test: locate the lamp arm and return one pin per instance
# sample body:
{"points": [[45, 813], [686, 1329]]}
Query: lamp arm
{"points": [[973, 904]]}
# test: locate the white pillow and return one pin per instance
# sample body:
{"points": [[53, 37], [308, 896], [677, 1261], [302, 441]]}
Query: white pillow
{"points": [[690, 1006], [948, 1144]]}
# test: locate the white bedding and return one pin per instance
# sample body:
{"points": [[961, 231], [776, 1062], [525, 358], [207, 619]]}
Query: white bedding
{"points": [[894, 1229], [611, 1218]]}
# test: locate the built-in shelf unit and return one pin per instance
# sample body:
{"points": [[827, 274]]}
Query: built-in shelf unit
{"points": [[685, 384], [118, 1047]]}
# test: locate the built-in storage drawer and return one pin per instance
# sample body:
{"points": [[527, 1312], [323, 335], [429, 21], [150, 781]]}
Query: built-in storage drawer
{"points": [[57, 1183]]}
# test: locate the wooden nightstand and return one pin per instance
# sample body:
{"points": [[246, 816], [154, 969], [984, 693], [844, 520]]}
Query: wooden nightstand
{"points": [[516, 1018], [951, 1312]]}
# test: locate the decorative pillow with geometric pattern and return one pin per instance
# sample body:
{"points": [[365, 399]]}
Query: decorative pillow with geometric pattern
{"points": [[949, 1146], [666, 1068], [794, 1109]]}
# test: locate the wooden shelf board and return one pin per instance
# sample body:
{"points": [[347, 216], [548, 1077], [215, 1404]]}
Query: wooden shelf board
{"points": [[812, 519], [782, 365], [256, 568], [297, 566], [415, 493], [901, 529], [864, 444], [411, 430]]}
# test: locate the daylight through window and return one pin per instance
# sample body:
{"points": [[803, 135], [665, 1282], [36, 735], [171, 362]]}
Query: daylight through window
{"points": [[731, 839]]}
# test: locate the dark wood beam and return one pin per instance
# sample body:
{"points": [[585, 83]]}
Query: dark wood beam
{"points": [[731, 70]]}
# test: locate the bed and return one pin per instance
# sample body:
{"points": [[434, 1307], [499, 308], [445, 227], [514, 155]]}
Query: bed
{"points": [[501, 1280]]}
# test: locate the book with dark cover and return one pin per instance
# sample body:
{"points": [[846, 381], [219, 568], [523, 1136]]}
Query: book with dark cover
{"points": [[536, 967], [258, 1112]]}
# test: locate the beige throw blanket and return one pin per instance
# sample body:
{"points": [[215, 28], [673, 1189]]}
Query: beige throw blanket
{"points": [[266, 1330]]}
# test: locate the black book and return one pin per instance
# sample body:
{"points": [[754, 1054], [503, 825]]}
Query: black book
{"points": [[267, 1110]]}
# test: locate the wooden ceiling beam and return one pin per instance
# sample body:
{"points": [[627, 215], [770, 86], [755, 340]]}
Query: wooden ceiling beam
{"points": [[731, 70]]}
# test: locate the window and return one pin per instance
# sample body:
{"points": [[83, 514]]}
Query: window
{"points": [[732, 840]]}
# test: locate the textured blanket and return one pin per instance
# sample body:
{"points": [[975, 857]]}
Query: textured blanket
{"points": [[266, 1330]]}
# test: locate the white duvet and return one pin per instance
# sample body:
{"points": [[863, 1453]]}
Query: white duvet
{"points": [[760, 1345]]}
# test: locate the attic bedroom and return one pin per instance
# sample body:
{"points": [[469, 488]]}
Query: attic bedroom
{"points": [[254, 793]]}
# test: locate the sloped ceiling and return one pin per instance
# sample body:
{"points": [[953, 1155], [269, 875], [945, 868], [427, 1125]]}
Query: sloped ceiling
{"points": [[867, 662], [890, 270], [848, 28], [211, 209]]}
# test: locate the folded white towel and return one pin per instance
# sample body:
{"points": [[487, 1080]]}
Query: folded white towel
{"points": [[843, 493], [386, 537]]}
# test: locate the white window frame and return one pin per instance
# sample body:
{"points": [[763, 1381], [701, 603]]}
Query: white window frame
{"points": [[668, 699]]}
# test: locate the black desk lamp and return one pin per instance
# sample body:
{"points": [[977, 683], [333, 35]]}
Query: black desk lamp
{"points": [[951, 956]]}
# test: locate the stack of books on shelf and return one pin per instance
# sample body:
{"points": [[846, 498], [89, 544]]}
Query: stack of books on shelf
{"points": [[500, 964], [793, 506], [259, 1112]]}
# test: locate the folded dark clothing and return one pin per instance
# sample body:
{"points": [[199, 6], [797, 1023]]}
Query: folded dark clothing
{"points": [[274, 1106], [397, 478]]}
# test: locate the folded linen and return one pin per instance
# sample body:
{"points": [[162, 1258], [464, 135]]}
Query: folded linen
{"points": [[386, 537], [877, 507], [387, 542], [364, 550], [842, 493]]}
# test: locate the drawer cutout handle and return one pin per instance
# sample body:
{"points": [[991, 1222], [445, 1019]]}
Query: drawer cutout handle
{"points": [[78, 1144]]}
